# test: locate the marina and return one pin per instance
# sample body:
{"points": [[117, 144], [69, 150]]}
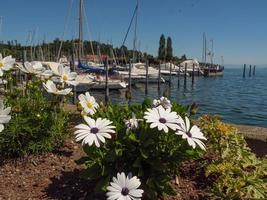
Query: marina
{"points": [[235, 99]]}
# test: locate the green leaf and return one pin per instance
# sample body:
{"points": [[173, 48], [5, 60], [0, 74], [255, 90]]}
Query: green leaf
{"points": [[144, 154], [168, 190], [119, 151], [132, 137], [102, 184], [82, 160], [91, 173]]}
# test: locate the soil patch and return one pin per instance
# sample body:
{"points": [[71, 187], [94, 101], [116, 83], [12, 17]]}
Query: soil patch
{"points": [[56, 176]]}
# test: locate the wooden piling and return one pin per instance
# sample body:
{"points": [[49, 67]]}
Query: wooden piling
{"points": [[170, 75], [249, 71], [254, 69], [244, 71], [106, 82], [146, 89], [129, 95], [178, 78], [185, 72], [159, 77], [72, 66], [193, 74]]}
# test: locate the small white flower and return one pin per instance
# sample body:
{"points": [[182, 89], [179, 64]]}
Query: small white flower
{"points": [[33, 67], [4, 115], [162, 118], [50, 87], [132, 123], [124, 188], [36, 68], [66, 76], [193, 135], [6, 64], [3, 81], [95, 132], [88, 103], [163, 101]]}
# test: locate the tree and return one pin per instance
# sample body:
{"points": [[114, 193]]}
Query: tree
{"points": [[183, 58], [169, 55], [161, 52]]}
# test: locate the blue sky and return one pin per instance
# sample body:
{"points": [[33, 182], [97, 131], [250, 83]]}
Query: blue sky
{"points": [[237, 27]]}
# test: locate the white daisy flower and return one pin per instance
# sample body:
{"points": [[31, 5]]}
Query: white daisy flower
{"points": [[124, 188], [95, 132], [4, 115], [193, 135], [162, 119], [88, 103], [33, 67], [163, 101], [50, 87], [3, 82], [6, 63], [66, 76], [132, 123]]}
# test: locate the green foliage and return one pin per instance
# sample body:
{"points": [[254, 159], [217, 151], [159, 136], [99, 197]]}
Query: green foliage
{"points": [[35, 125], [162, 49], [151, 155], [239, 173], [169, 55]]}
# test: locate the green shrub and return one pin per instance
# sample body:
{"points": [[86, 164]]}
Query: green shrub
{"points": [[36, 125], [152, 155], [239, 173]]}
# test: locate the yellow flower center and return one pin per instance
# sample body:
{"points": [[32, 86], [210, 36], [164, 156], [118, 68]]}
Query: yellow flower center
{"points": [[1, 64], [89, 105], [65, 77]]}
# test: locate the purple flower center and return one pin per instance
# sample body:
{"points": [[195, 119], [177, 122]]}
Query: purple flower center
{"points": [[189, 134], [125, 191], [162, 120], [94, 130]]}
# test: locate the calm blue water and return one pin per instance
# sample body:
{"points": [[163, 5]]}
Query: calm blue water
{"points": [[236, 99]]}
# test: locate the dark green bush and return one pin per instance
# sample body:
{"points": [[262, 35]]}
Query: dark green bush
{"points": [[153, 156], [36, 124]]}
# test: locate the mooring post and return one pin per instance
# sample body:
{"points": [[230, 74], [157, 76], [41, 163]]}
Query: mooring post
{"points": [[170, 75], [72, 66], [178, 78], [146, 89], [193, 74], [129, 92], [159, 77], [185, 72], [198, 71], [254, 69], [249, 74], [244, 71], [106, 82]]}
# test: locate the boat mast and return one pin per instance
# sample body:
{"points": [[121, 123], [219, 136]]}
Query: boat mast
{"points": [[135, 34], [1, 21], [212, 54], [80, 43], [204, 49]]}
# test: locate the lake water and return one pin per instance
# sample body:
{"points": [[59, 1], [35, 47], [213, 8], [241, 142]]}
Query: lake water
{"points": [[236, 99]]}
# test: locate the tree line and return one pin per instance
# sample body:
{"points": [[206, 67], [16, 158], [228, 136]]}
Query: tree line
{"points": [[48, 51]]}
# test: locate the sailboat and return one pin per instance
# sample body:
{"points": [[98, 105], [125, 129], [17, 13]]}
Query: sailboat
{"points": [[210, 69], [90, 77]]}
